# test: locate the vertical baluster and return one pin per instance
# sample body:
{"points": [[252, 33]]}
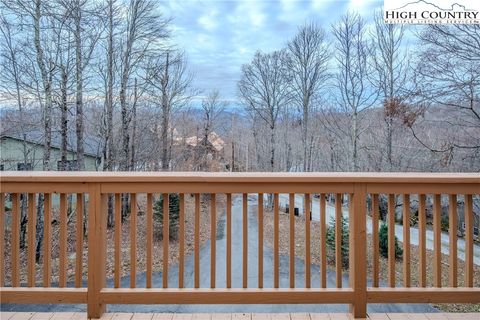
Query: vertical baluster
{"points": [[149, 240], [406, 240], [422, 241], [181, 265], [197, 240], [118, 235], [213, 241], [229, 241], [2, 239], [437, 233], [452, 212], [32, 219], [79, 241], [63, 241], [276, 234], [375, 218], [358, 253], [15, 240], [97, 244], [166, 237], [323, 241], [338, 239], [133, 240], [468, 241], [245, 240], [391, 240], [260, 240], [47, 241], [307, 240], [291, 210]]}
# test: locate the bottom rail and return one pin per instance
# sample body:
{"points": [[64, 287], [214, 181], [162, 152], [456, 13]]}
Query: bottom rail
{"points": [[43, 295], [423, 295], [226, 296]]}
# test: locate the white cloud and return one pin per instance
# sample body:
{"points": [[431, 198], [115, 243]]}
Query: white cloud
{"points": [[318, 4], [208, 21], [364, 6]]}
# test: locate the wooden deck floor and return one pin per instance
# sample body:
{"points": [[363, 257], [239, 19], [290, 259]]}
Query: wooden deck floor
{"points": [[232, 316]]}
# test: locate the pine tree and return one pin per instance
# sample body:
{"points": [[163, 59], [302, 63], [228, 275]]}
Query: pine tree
{"points": [[330, 239], [174, 213], [383, 242]]}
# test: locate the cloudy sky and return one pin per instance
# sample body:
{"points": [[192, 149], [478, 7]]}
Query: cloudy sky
{"points": [[219, 36]]}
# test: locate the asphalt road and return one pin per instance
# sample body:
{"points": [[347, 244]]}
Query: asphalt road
{"points": [[414, 232]]}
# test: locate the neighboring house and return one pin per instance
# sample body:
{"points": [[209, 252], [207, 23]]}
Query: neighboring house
{"points": [[13, 152], [215, 145]]}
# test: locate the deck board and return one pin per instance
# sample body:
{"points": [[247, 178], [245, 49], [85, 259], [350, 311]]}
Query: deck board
{"points": [[162, 316], [20, 315], [235, 316]]}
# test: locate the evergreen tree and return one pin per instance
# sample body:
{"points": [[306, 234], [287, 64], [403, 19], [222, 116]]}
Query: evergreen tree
{"points": [[174, 213], [330, 239], [383, 242]]}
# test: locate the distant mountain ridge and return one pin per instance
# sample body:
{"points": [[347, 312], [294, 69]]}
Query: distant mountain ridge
{"points": [[434, 5]]}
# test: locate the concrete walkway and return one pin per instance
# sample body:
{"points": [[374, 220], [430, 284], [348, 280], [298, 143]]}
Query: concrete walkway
{"points": [[414, 232], [236, 278]]}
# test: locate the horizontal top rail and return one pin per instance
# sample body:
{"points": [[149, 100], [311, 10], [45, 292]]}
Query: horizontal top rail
{"points": [[237, 177]]}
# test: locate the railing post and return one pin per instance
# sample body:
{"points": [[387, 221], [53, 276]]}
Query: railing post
{"points": [[358, 251], [97, 228]]}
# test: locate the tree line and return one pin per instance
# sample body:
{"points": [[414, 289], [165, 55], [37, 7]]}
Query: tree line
{"points": [[367, 98]]}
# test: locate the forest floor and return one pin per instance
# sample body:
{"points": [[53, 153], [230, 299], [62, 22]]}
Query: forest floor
{"points": [[383, 262]]}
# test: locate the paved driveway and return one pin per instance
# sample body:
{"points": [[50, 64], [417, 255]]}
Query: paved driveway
{"points": [[414, 232]]}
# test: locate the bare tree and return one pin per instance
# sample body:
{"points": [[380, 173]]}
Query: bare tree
{"points": [[38, 17], [144, 27], [447, 79], [308, 63], [213, 106], [111, 12], [11, 70], [170, 83], [391, 70], [352, 55], [264, 88]]}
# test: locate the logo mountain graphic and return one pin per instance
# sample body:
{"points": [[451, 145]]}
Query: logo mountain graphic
{"points": [[425, 5]]}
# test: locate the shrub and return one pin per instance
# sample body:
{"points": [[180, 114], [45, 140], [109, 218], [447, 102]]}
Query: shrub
{"points": [[330, 239], [174, 213], [444, 223], [383, 242], [414, 219]]}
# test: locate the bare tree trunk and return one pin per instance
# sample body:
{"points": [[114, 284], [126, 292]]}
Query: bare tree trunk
{"points": [[79, 86], [156, 167], [108, 156], [165, 115], [63, 118], [108, 164], [354, 162], [305, 136], [47, 116], [134, 126], [272, 147], [131, 36]]}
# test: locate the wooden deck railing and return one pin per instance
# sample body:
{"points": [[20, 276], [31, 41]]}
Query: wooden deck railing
{"points": [[93, 189]]}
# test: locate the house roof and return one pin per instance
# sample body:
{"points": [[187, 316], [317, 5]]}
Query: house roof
{"points": [[92, 145], [213, 138]]}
